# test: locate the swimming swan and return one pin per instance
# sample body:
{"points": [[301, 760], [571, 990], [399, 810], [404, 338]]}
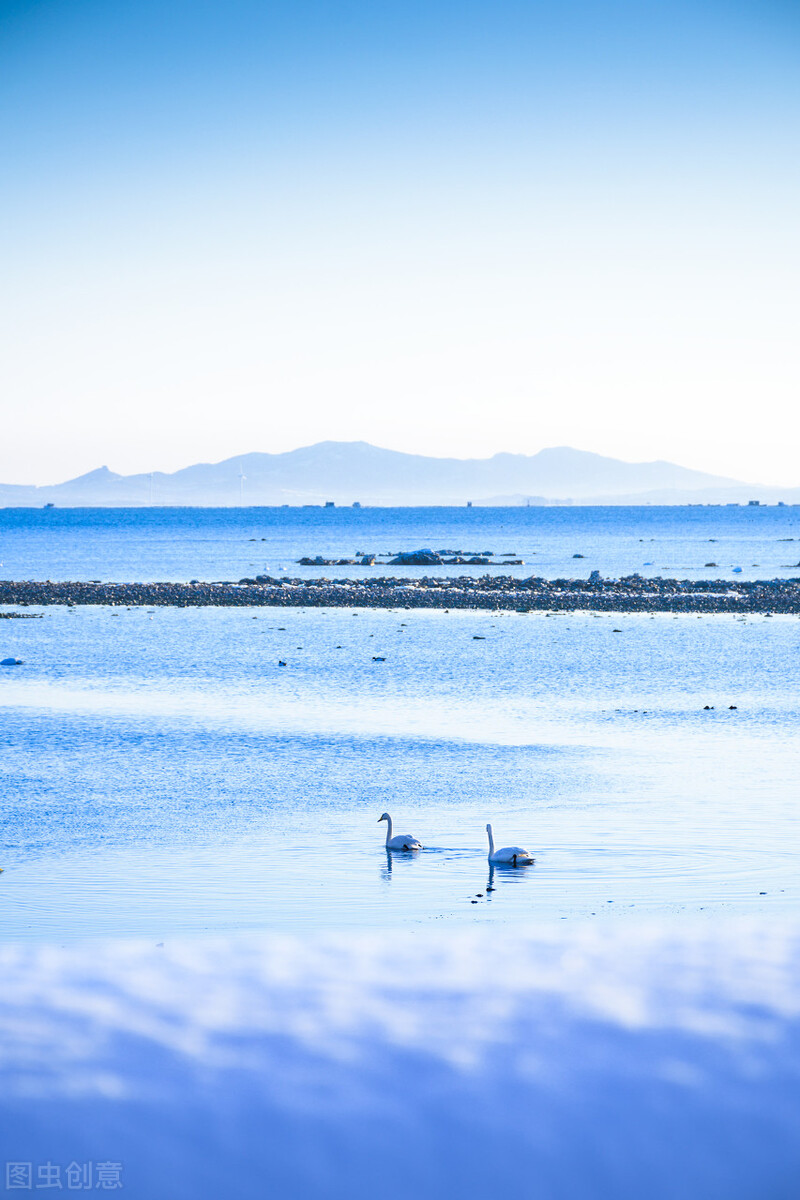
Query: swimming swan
{"points": [[402, 841], [515, 856]]}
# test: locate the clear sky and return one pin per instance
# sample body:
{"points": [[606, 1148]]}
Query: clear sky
{"points": [[443, 227]]}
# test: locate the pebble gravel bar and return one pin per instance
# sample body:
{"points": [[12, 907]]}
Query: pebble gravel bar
{"points": [[629, 594]]}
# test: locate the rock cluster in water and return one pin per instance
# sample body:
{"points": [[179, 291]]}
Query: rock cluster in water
{"points": [[629, 594], [418, 558]]}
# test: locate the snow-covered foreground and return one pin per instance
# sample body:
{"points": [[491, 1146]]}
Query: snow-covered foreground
{"points": [[575, 1061]]}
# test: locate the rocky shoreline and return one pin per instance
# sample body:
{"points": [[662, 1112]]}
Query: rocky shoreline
{"points": [[630, 594]]}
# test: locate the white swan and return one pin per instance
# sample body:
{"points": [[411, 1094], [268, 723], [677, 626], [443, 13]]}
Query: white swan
{"points": [[401, 841], [515, 856]]}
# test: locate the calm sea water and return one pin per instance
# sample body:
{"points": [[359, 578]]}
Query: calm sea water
{"points": [[228, 543], [161, 772]]}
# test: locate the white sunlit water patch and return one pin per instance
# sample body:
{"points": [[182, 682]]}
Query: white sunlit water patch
{"points": [[633, 1061]]}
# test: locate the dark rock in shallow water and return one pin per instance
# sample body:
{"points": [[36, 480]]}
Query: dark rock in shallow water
{"points": [[417, 558]]}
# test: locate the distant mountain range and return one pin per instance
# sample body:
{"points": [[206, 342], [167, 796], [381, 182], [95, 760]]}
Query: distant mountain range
{"points": [[355, 472]]}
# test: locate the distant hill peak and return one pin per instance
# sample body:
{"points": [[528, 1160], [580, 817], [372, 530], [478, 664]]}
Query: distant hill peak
{"points": [[99, 475]]}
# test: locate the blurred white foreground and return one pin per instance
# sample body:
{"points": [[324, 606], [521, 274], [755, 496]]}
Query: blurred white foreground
{"points": [[577, 1061]]}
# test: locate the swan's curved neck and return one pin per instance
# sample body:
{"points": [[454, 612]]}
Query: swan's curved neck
{"points": [[491, 839], [388, 830]]}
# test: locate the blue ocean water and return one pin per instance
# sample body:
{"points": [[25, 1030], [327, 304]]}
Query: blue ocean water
{"points": [[162, 774], [177, 544], [164, 778]]}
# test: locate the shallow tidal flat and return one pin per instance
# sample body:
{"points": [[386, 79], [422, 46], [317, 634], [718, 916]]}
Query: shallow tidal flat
{"points": [[216, 769], [632, 593]]}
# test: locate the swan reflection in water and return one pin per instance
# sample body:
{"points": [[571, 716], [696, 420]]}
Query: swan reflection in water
{"points": [[396, 859], [505, 871], [498, 872]]}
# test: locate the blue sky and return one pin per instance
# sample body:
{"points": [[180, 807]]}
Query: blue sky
{"points": [[446, 228]]}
